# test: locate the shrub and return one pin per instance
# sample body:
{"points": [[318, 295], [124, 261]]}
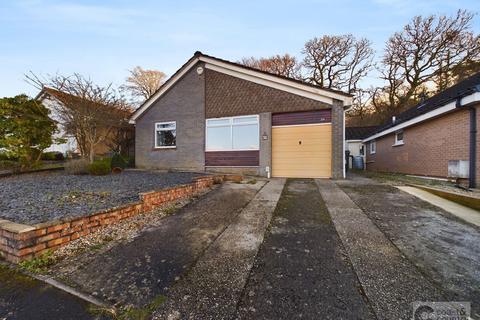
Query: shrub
{"points": [[53, 156], [118, 162], [99, 168], [77, 166]]}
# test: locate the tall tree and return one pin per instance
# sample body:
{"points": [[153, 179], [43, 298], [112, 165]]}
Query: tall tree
{"points": [[337, 62], [25, 129], [90, 112], [427, 50], [284, 65], [141, 84]]}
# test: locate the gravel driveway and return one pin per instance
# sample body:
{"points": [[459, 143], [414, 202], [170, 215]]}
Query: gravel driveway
{"points": [[40, 197]]}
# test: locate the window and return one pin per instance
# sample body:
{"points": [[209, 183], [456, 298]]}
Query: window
{"points": [[398, 138], [166, 134], [362, 150], [234, 133], [373, 147]]}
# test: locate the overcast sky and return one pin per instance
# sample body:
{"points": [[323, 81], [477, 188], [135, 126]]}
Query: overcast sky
{"points": [[103, 39]]}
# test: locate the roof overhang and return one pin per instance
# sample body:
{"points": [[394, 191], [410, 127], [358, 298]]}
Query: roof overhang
{"points": [[461, 102], [258, 77]]}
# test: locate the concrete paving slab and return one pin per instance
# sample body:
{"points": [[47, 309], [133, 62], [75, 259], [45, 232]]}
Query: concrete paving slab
{"points": [[389, 280], [211, 289], [465, 213]]}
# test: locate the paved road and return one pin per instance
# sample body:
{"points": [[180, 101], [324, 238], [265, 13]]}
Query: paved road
{"points": [[22, 297], [301, 270]]}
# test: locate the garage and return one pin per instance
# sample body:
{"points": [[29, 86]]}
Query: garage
{"points": [[302, 144]]}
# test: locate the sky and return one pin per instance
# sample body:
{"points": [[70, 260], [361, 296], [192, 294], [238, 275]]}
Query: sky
{"points": [[104, 39]]}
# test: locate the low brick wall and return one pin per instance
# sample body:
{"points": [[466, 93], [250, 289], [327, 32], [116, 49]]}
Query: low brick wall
{"points": [[20, 242]]}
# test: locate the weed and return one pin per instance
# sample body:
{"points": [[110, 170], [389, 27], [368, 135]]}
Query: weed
{"points": [[142, 313], [170, 210], [38, 264], [253, 181]]}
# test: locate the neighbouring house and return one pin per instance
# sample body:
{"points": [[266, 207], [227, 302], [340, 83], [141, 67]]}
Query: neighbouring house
{"points": [[354, 144], [216, 115], [436, 138], [52, 98]]}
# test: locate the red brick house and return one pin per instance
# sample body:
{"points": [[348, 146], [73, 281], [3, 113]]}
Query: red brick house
{"points": [[436, 138]]}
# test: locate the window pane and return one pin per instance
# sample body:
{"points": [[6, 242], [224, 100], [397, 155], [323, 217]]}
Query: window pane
{"points": [[400, 136], [218, 138], [244, 119], [166, 125], [166, 138], [217, 122], [245, 137]]}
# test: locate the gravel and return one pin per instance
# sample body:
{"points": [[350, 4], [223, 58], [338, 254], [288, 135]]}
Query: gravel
{"points": [[41, 197]]}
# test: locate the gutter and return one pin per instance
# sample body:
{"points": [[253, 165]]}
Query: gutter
{"points": [[472, 148]]}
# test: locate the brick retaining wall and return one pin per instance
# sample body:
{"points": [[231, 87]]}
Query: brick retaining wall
{"points": [[20, 242]]}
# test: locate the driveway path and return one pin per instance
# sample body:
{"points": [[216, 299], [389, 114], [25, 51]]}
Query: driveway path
{"points": [[22, 297], [390, 281], [301, 270], [212, 288], [442, 246], [144, 269]]}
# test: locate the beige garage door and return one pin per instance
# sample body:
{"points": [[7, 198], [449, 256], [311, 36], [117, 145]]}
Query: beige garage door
{"points": [[302, 151]]}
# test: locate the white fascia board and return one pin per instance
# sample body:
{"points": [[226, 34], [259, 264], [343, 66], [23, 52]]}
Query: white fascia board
{"points": [[421, 118], [275, 82], [472, 98], [354, 140], [162, 90]]}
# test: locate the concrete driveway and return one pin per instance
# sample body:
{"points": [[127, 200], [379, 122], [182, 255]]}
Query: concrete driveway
{"points": [[442, 247], [287, 249]]}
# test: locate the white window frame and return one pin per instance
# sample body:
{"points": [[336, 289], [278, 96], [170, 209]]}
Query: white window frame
{"points": [[156, 146], [398, 142], [232, 124], [373, 147]]}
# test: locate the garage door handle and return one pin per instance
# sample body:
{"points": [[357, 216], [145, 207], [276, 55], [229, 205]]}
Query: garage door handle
{"points": [[299, 142]]}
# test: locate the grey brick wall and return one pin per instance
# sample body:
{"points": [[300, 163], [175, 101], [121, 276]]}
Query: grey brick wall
{"points": [[337, 140], [185, 104], [265, 145], [226, 96]]}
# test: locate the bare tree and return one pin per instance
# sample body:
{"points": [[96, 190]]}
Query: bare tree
{"points": [[427, 50], [89, 112], [338, 62], [284, 65], [142, 84]]}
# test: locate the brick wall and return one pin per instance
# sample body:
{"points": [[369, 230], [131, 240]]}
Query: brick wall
{"points": [[20, 242], [185, 104], [427, 147], [230, 96]]}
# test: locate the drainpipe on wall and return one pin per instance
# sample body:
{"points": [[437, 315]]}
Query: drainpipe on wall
{"points": [[473, 148]]}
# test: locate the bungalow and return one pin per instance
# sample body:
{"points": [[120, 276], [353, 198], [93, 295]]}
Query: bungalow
{"points": [[437, 137], [216, 115]]}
